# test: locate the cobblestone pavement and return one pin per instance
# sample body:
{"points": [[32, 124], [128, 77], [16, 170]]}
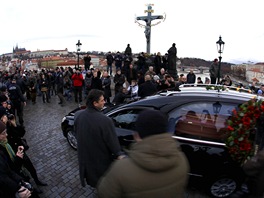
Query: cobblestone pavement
{"points": [[56, 162]]}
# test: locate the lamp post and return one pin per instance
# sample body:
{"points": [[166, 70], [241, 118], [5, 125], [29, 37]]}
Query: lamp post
{"points": [[78, 48], [216, 108], [220, 49]]}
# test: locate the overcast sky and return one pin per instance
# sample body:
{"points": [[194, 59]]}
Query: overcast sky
{"points": [[104, 25]]}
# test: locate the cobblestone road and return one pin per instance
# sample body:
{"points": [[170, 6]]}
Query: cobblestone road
{"points": [[55, 161]]}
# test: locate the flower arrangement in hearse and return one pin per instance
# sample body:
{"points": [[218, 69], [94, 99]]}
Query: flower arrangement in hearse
{"points": [[244, 130]]}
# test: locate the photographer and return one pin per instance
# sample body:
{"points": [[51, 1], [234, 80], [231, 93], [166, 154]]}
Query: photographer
{"points": [[77, 79], [10, 181], [12, 184], [14, 139]]}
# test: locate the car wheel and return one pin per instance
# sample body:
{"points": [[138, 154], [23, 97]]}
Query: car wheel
{"points": [[71, 138], [223, 187]]}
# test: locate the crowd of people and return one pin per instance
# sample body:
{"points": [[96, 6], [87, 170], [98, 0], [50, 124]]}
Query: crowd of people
{"points": [[18, 176], [97, 142]]}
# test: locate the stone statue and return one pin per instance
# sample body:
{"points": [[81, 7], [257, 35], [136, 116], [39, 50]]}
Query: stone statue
{"points": [[172, 58]]}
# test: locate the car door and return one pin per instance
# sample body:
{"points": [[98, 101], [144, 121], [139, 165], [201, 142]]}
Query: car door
{"points": [[200, 128], [124, 120]]}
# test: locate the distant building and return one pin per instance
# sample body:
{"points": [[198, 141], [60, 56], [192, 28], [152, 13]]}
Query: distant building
{"points": [[17, 52], [45, 53]]}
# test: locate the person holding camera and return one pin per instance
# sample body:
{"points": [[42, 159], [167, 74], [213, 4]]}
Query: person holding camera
{"points": [[77, 79], [14, 140], [12, 184]]}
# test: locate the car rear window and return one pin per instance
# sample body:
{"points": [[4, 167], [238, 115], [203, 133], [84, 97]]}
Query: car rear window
{"points": [[201, 120]]}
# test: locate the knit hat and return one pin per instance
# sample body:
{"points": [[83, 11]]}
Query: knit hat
{"points": [[151, 122], [2, 126], [2, 111]]}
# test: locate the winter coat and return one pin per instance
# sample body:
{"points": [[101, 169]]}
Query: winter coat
{"points": [[106, 83], [213, 70], [191, 77], [147, 89], [96, 83], [77, 80], [118, 60], [9, 180], [119, 81], [155, 168], [97, 144], [109, 59], [131, 74]]}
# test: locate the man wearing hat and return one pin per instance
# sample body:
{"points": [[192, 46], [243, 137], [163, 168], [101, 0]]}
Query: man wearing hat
{"points": [[156, 166]]}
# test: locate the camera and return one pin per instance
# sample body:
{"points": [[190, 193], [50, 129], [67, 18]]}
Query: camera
{"points": [[26, 185], [10, 116]]}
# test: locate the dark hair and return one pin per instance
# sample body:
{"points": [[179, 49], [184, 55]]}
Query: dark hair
{"points": [[93, 96]]}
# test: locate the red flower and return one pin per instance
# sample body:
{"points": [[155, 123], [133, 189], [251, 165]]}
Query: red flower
{"points": [[239, 139], [246, 121], [230, 128]]}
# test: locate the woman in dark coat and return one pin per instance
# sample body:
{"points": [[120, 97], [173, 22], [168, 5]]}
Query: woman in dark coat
{"points": [[14, 160], [15, 134], [106, 83], [96, 81]]}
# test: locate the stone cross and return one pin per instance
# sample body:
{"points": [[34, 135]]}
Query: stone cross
{"points": [[148, 20]]}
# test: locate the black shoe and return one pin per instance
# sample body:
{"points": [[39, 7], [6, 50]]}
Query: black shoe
{"points": [[40, 183], [60, 103]]}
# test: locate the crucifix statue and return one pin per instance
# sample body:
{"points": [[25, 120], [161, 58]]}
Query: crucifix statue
{"points": [[148, 25]]}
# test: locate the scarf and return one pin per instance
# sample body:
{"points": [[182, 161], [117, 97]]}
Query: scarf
{"points": [[12, 156], [9, 149]]}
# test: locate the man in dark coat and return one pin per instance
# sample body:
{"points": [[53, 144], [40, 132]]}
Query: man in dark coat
{"points": [[213, 70], [110, 60], [128, 50], [17, 100], [59, 83], [131, 73], [118, 61], [148, 88], [191, 77], [87, 62], [97, 141]]}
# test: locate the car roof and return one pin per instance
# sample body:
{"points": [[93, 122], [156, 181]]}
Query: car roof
{"points": [[191, 93]]}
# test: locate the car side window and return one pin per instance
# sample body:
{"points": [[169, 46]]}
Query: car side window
{"points": [[125, 119], [201, 120]]}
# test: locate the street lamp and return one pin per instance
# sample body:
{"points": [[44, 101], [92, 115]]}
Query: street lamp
{"points": [[216, 108], [78, 48], [220, 49]]}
